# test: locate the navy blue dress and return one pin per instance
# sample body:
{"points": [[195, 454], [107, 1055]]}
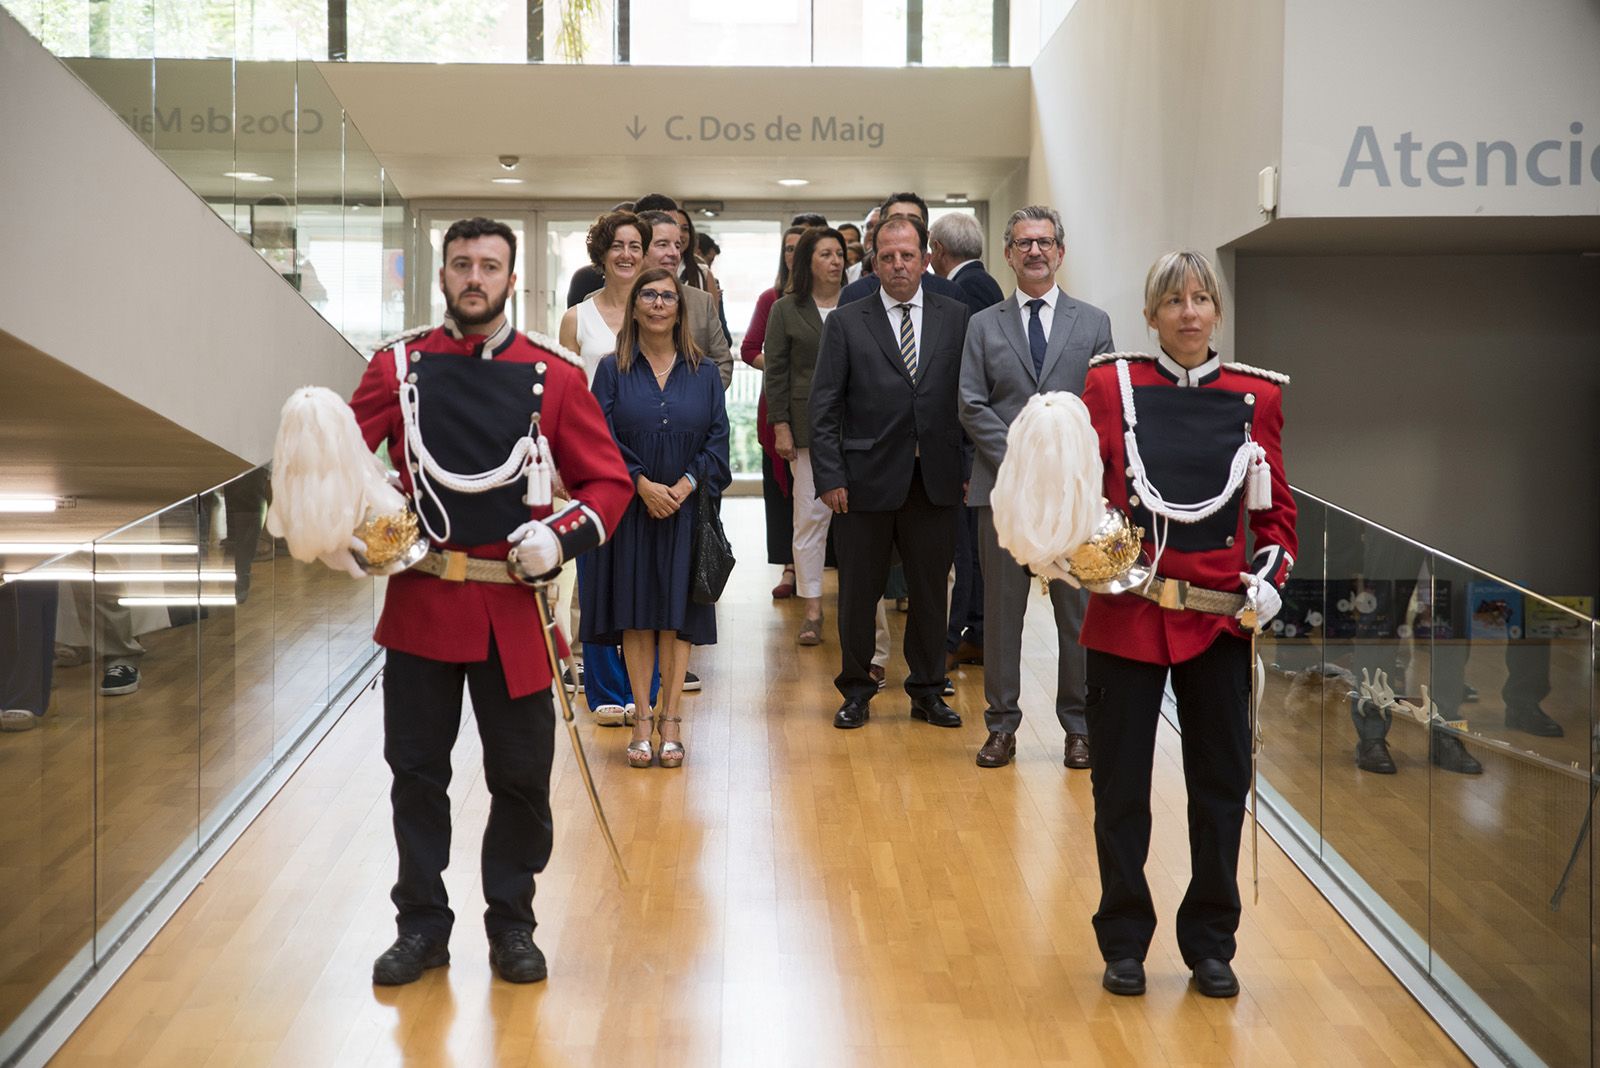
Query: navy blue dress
{"points": [[641, 574]]}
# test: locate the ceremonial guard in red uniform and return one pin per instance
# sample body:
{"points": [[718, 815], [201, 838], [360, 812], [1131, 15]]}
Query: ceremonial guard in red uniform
{"points": [[1192, 454], [464, 407]]}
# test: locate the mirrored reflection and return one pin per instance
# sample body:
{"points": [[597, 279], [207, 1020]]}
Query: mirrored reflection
{"points": [[1513, 681], [236, 645], [396, 239], [139, 616], [1375, 761], [300, 644], [126, 85], [194, 128], [264, 165], [1292, 650], [47, 779], [319, 215], [363, 244]]}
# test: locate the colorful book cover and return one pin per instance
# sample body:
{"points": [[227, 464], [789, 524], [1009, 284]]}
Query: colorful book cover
{"points": [[1547, 621], [1422, 608], [1361, 609], [1495, 609]]}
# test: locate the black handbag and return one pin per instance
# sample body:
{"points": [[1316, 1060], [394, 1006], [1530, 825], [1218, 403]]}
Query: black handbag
{"points": [[711, 556]]}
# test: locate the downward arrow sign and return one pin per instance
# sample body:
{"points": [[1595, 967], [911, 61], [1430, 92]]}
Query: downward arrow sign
{"points": [[635, 129]]}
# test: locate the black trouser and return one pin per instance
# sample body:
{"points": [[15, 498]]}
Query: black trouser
{"points": [[779, 511], [421, 718], [1124, 706], [966, 596], [925, 534]]}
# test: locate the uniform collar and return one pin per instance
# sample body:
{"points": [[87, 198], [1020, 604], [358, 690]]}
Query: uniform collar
{"points": [[1181, 375], [491, 346]]}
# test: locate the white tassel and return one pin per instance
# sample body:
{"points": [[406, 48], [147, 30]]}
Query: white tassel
{"points": [[540, 466], [1258, 494], [1047, 494]]}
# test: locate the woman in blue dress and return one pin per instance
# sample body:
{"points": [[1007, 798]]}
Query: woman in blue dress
{"points": [[665, 408]]}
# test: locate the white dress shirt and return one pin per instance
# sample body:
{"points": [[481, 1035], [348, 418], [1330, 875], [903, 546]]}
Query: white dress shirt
{"points": [[1047, 312], [892, 306]]}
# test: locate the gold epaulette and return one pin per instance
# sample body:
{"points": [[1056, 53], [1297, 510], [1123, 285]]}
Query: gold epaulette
{"points": [[1260, 372], [544, 341], [1112, 357], [404, 335]]}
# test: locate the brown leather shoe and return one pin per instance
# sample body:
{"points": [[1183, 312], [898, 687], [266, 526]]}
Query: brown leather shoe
{"points": [[1077, 755], [999, 750]]}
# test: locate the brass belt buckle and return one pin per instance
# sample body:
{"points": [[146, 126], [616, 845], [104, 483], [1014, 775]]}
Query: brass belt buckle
{"points": [[455, 566], [1174, 592]]}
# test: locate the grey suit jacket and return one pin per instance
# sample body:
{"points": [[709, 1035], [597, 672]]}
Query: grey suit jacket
{"points": [[997, 376], [705, 326]]}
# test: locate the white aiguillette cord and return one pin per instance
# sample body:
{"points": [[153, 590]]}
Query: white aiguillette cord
{"points": [[1250, 460], [530, 456]]}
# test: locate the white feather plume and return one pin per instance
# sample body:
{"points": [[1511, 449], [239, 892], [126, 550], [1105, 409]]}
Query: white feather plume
{"points": [[325, 481], [1047, 493]]}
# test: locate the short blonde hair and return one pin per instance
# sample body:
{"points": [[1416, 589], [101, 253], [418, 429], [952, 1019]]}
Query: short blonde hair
{"points": [[1171, 274]]}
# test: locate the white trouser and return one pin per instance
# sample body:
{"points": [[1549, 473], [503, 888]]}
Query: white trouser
{"points": [[811, 520]]}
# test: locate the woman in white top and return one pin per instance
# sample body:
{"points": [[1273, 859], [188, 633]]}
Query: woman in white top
{"points": [[616, 248]]}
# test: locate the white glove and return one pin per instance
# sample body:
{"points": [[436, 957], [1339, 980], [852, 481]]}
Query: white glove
{"points": [[342, 560], [1265, 599], [538, 552]]}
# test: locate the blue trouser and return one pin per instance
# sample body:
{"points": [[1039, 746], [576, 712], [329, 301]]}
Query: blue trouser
{"points": [[605, 675]]}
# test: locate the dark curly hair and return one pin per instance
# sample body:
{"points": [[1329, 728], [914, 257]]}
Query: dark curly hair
{"points": [[604, 232]]}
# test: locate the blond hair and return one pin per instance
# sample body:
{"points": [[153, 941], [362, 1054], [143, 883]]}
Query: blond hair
{"points": [[1171, 274]]}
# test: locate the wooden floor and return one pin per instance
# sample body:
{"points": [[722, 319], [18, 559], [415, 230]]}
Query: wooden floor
{"points": [[801, 896]]}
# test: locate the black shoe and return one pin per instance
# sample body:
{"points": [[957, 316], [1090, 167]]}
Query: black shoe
{"points": [[1076, 754], [998, 750], [691, 682], [1124, 977], [1372, 755], [406, 960], [1215, 979], [124, 678], [1530, 719], [934, 711], [1447, 752], [852, 714], [515, 958]]}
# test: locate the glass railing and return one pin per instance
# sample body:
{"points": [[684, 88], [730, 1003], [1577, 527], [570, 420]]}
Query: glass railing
{"points": [[152, 681], [231, 101], [1455, 810]]}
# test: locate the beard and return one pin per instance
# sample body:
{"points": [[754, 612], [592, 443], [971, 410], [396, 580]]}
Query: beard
{"points": [[492, 310]]}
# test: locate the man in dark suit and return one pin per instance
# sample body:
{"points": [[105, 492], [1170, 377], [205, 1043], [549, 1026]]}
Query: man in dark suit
{"points": [[1039, 342], [955, 245], [907, 205], [886, 457]]}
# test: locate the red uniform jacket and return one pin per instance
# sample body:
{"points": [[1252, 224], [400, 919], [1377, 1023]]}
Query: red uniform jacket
{"points": [[452, 621], [1189, 439]]}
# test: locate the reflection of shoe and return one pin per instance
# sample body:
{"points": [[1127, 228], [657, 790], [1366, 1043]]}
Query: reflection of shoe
{"points": [[17, 719], [1469, 694], [852, 714], [934, 711], [998, 750], [1530, 719], [515, 958], [406, 960], [1447, 752], [1372, 755], [879, 676], [611, 715], [70, 655], [785, 587], [1077, 752], [1124, 977], [1215, 979], [691, 682], [124, 678]]}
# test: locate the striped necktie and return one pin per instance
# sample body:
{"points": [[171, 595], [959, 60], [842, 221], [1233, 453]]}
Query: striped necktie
{"points": [[908, 341]]}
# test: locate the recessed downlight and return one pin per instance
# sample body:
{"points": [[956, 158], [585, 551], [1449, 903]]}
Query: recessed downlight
{"points": [[247, 176], [793, 183], [507, 181]]}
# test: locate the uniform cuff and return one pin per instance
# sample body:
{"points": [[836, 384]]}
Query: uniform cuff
{"points": [[578, 529], [1272, 564]]}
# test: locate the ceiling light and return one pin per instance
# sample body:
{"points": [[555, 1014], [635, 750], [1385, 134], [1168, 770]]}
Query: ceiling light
{"points": [[160, 602], [793, 183], [506, 181], [35, 504], [955, 198], [247, 176], [137, 548], [103, 574]]}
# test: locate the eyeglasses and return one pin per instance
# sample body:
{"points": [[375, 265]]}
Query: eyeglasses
{"points": [[665, 297], [1044, 244]]}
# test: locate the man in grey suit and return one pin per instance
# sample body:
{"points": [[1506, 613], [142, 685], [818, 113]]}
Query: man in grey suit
{"points": [[661, 250], [1038, 342]]}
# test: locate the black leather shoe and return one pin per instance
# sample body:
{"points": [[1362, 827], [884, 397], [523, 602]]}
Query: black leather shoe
{"points": [[935, 711], [406, 960], [1530, 719], [1447, 752], [1372, 755], [998, 751], [852, 714], [1077, 752], [1215, 979], [515, 958], [1124, 977]]}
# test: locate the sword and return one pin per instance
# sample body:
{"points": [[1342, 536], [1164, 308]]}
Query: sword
{"points": [[541, 597], [1249, 619]]}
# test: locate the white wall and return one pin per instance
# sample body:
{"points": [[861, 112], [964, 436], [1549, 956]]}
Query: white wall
{"points": [[1151, 121], [112, 266], [1452, 398]]}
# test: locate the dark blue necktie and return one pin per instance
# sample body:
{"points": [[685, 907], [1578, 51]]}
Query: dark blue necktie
{"points": [[1036, 336]]}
